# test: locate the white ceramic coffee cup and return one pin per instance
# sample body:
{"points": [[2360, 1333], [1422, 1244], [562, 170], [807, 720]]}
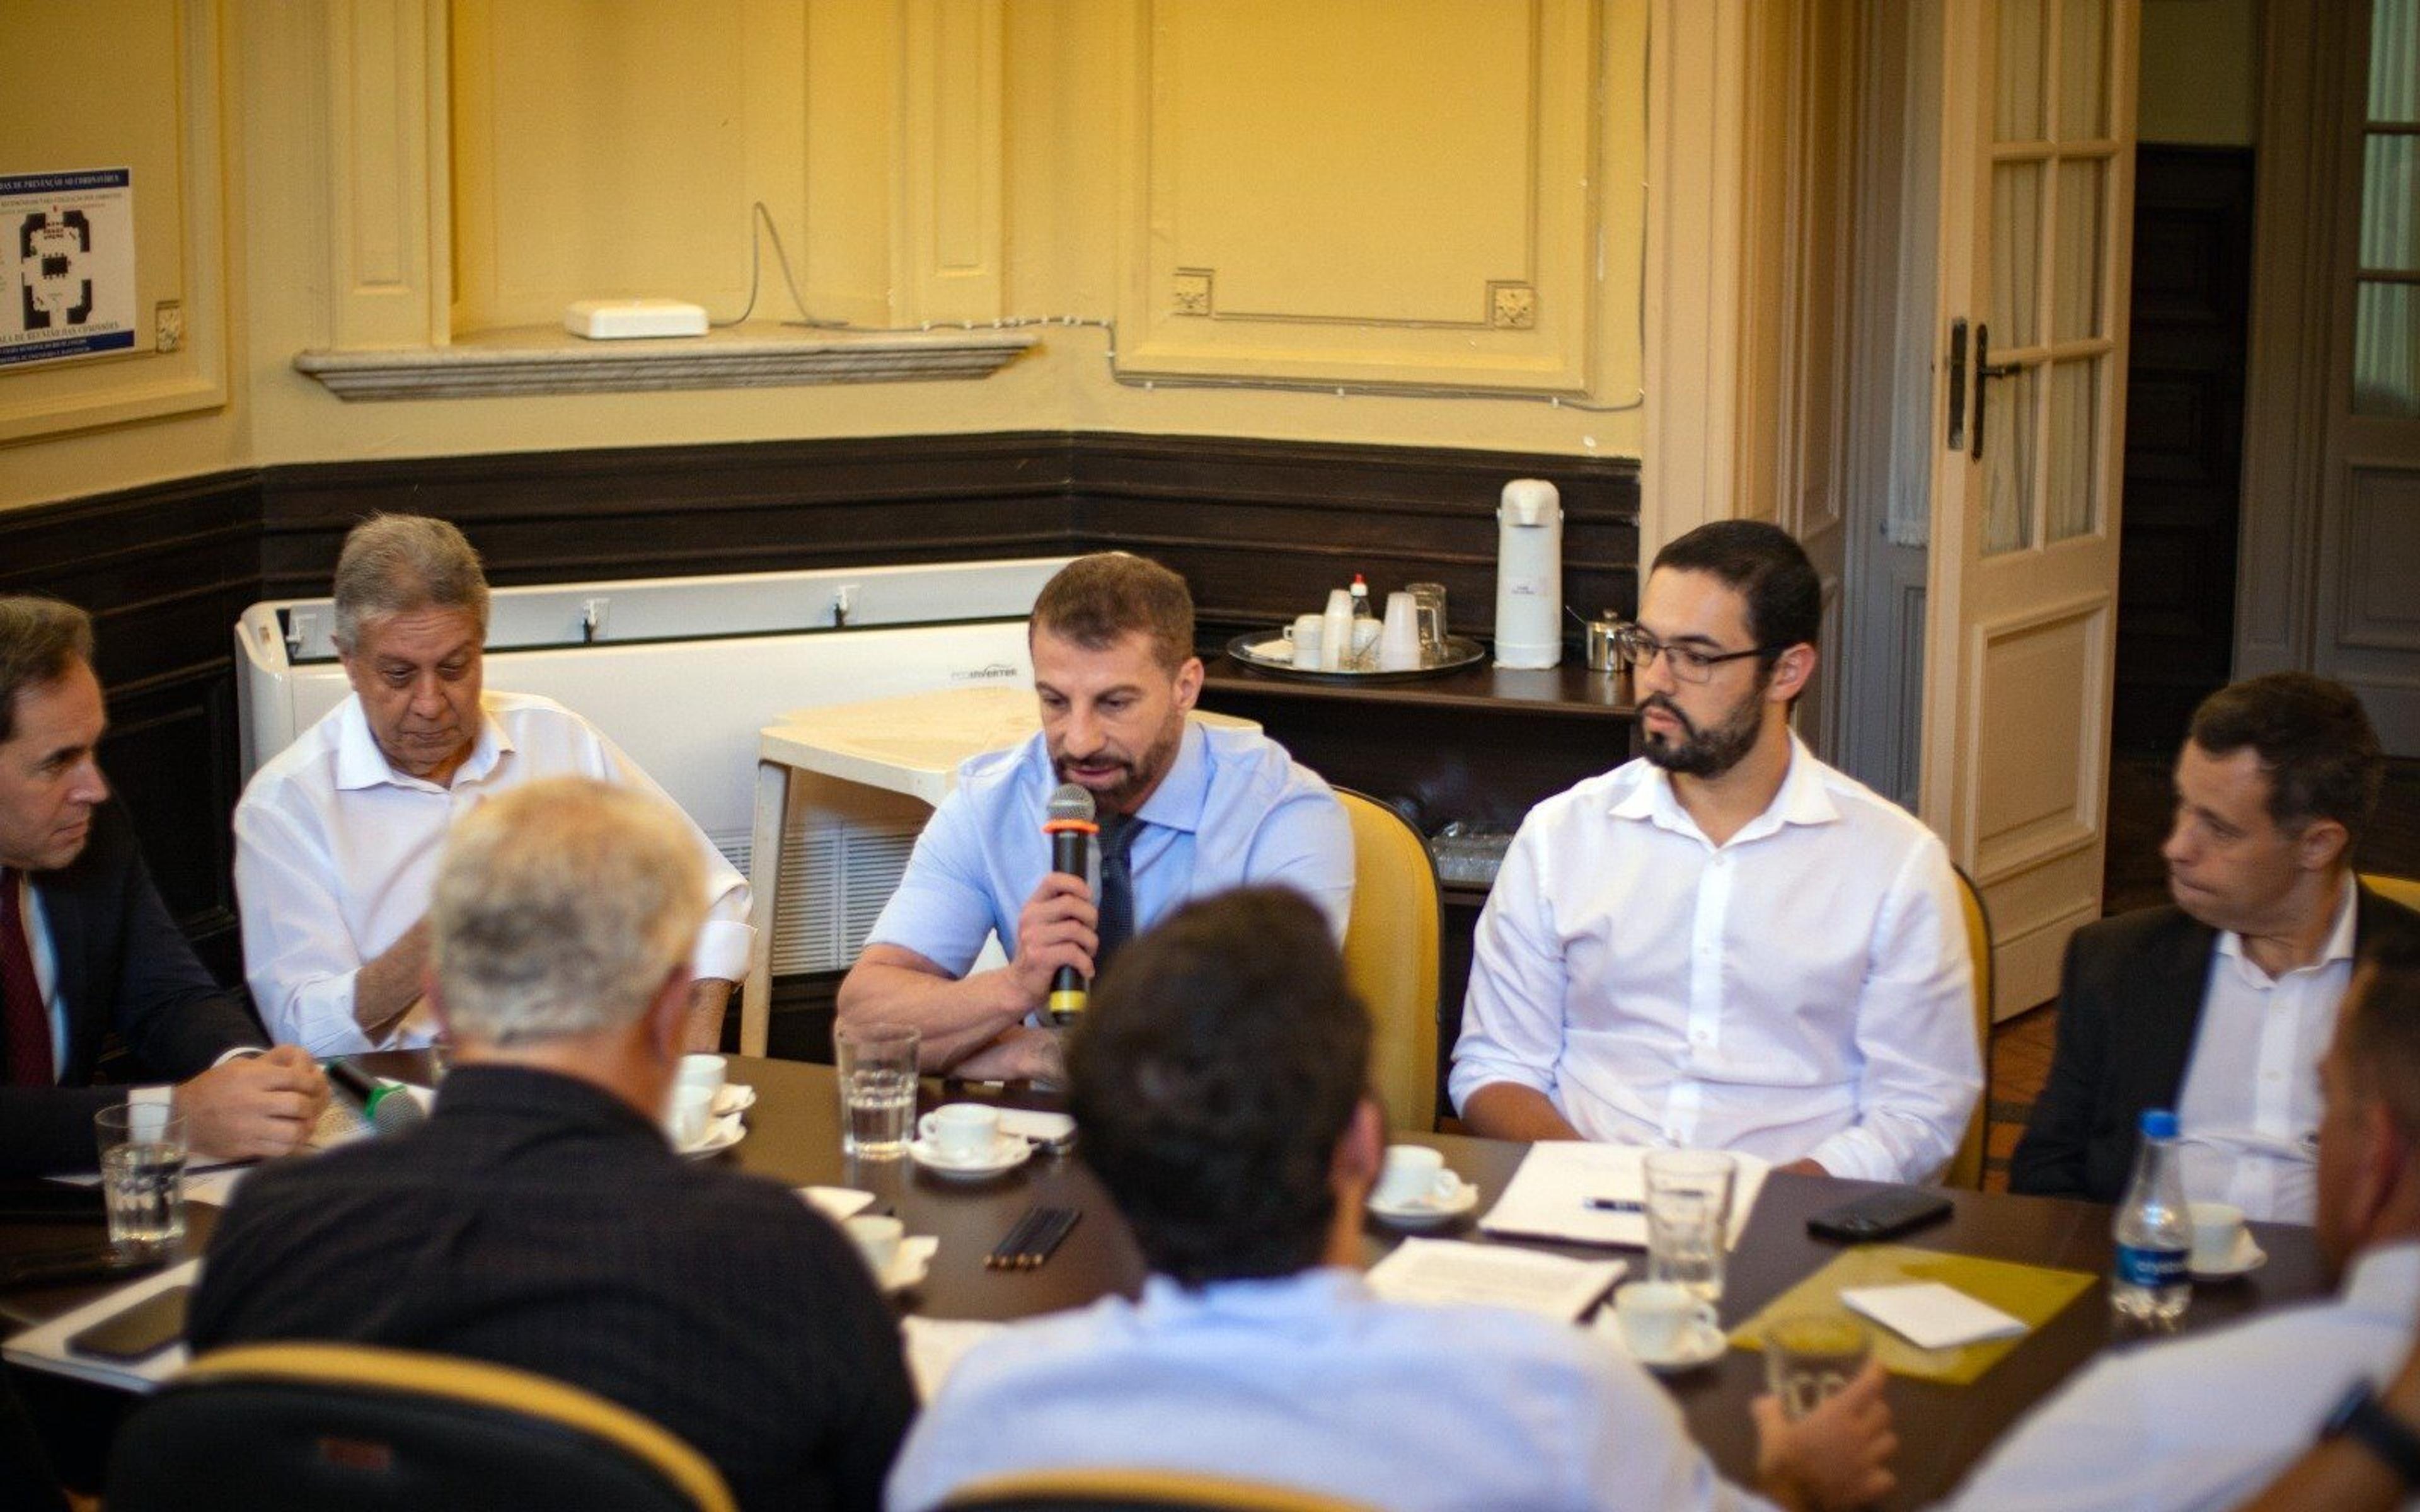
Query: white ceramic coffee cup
{"points": [[1658, 1317], [706, 1071], [876, 1238], [1304, 636], [1413, 1173], [961, 1130], [2217, 1231], [692, 1111]]}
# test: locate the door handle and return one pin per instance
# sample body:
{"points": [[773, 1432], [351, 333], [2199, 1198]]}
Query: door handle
{"points": [[1986, 370], [1956, 441]]}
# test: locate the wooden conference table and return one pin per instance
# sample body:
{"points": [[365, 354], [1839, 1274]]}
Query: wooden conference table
{"points": [[794, 1138]]}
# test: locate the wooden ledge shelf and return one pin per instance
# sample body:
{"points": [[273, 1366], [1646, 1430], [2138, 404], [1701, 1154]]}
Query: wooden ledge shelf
{"points": [[1570, 690], [543, 360]]}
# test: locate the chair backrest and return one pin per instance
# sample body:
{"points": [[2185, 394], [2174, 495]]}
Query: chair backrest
{"points": [[358, 1428], [2403, 890], [1135, 1491], [1966, 1166], [1390, 956]]}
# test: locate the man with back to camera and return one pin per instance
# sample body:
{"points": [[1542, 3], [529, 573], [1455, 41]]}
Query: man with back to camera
{"points": [[1219, 1085], [1725, 944], [337, 836], [86, 947], [2219, 1005], [2204, 1422], [539, 1219], [1193, 809]]}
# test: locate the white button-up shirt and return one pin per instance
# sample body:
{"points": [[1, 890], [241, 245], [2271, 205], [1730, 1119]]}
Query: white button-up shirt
{"points": [[2203, 1423], [2249, 1114], [336, 857], [1803, 990]]}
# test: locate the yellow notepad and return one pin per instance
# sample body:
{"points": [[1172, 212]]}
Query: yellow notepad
{"points": [[2032, 1293]]}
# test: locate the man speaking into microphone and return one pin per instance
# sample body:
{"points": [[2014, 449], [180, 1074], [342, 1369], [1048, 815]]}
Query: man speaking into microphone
{"points": [[1182, 811]]}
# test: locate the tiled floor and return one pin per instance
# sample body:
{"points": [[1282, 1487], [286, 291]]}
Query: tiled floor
{"points": [[2139, 816]]}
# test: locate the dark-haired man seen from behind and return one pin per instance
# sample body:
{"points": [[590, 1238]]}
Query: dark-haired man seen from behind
{"points": [[2219, 1005], [1725, 944], [86, 948], [1219, 1085]]}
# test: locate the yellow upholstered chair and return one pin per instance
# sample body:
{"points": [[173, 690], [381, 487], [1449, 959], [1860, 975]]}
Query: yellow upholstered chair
{"points": [[1135, 1491], [1966, 1166], [1390, 956], [2401, 889], [348, 1427]]}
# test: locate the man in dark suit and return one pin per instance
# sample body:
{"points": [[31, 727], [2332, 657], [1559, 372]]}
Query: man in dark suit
{"points": [[2220, 1005], [86, 948], [539, 1219]]}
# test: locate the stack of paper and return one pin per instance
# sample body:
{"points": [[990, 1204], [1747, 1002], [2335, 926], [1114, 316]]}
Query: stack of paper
{"points": [[1549, 1196], [836, 1202], [935, 1345], [1493, 1275], [1932, 1316]]}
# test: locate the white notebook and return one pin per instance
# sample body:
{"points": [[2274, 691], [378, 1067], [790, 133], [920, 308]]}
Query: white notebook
{"points": [[1932, 1316]]}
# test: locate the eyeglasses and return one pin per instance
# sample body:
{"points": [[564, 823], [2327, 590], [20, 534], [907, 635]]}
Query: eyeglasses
{"points": [[1636, 648]]}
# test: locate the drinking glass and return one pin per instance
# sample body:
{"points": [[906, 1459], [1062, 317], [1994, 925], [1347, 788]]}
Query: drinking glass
{"points": [[1688, 1218], [142, 1151], [1430, 601], [1812, 1355], [876, 1063]]}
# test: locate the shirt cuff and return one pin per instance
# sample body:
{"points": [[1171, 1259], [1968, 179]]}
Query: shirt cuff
{"points": [[241, 1052], [141, 1096], [721, 952]]}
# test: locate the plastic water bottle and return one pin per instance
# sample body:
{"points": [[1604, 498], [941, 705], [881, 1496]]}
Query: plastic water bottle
{"points": [[2154, 1234]]}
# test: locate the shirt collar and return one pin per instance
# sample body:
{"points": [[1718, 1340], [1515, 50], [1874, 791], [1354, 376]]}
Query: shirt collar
{"points": [[2339, 946], [524, 1093], [360, 764], [1184, 791], [1321, 1288], [1800, 800]]}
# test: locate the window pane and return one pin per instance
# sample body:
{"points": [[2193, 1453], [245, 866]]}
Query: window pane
{"points": [[2020, 114], [2016, 252], [2082, 71], [2008, 464], [2386, 350], [2390, 188], [2075, 279], [2074, 460], [2395, 60]]}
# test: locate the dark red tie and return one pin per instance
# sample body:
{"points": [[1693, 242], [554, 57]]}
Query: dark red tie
{"points": [[25, 1023]]}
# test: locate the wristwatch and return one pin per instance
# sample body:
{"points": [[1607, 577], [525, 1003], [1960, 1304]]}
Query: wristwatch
{"points": [[2362, 1418]]}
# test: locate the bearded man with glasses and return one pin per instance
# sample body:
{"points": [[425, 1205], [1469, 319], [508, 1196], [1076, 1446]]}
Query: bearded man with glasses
{"points": [[1725, 944]]}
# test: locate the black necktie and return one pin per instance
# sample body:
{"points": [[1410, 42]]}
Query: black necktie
{"points": [[25, 1021], [1117, 886]]}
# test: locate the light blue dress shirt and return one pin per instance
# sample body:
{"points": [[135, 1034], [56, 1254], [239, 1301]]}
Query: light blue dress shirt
{"points": [[1233, 809], [1308, 1380]]}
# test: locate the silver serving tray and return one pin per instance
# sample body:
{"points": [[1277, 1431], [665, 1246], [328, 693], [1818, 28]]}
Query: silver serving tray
{"points": [[1251, 649]]}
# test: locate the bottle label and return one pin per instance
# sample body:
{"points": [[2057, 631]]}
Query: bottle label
{"points": [[2152, 1269]]}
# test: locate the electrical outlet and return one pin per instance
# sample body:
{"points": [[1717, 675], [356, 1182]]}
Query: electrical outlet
{"points": [[168, 325]]}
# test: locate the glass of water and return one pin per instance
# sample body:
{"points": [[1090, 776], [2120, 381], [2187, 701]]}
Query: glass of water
{"points": [[1812, 1355], [876, 1063], [1688, 1218], [142, 1151]]}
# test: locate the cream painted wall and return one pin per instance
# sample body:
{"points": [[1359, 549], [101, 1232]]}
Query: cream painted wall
{"points": [[330, 102], [2201, 72]]}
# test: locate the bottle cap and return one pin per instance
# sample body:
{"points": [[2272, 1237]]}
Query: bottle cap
{"points": [[2158, 1123]]}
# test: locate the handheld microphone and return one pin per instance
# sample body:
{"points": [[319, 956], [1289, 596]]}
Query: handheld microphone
{"points": [[389, 1108], [1069, 824]]}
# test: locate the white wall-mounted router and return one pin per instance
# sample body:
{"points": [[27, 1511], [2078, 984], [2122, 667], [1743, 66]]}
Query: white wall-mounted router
{"points": [[620, 319]]}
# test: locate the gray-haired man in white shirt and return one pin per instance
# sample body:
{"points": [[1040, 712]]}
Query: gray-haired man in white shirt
{"points": [[1725, 944]]}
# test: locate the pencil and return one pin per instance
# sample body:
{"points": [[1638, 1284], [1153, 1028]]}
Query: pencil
{"points": [[1012, 1244], [1043, 1246]]}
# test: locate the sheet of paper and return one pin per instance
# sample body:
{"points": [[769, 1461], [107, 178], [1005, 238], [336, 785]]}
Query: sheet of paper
{"points": [[1932, 1316], [836, 1202], [45, 1346], [1494, 1275], [935, 1345], [1549, 1196]]}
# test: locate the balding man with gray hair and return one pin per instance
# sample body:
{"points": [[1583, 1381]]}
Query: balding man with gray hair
{"points": [[337, 835], [539, 1219]]}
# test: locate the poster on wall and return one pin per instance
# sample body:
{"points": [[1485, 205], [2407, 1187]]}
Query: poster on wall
{"points": [[69, 260]]}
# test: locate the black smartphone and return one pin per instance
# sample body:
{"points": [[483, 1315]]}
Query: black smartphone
{"points": [[1880, 1215], [138, 1333]]}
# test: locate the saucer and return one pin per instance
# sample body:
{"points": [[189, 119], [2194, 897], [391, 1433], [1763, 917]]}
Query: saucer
{"points": [[1703, 1345], [721, 1135], [909, 1266], [732, 1097], [1423, 1212], [2248, 1257], [1008, 1151]]}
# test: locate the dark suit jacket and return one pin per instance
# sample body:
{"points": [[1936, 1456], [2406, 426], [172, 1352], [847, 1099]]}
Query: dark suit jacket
{"points": [[123, 966], [537, 1222], [2129, 1000]]}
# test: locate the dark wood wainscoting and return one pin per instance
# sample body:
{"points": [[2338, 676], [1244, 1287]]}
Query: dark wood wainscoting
{"points": [[1260, 529]]}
